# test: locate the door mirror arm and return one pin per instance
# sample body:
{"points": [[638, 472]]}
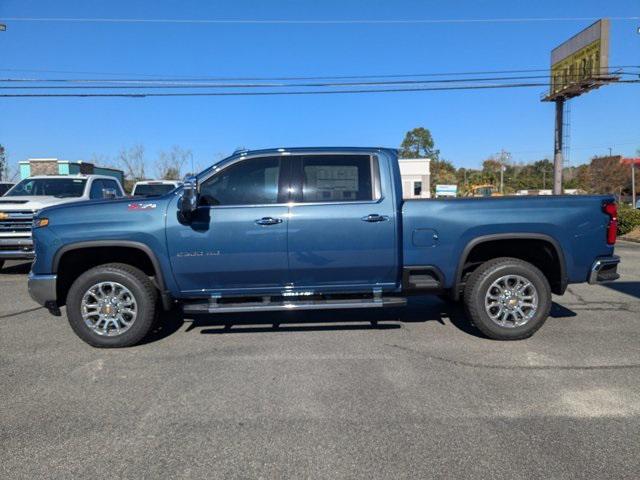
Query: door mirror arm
{"points": [[188, 202]]}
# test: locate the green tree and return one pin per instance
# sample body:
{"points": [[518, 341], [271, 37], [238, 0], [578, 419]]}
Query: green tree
{"points": [[418, 143], [442, 173]]}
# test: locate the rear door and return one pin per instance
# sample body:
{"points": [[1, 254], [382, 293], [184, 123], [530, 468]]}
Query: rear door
{"points": [[342, 226]]}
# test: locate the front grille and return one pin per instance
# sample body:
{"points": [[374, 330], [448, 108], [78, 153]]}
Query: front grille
{"points": [[14, 248], [16, 222]]}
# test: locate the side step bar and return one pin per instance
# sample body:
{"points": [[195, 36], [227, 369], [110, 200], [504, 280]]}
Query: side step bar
{"points": [[268, 305]]}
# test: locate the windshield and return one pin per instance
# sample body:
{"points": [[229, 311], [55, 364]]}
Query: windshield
{"points": [[152, 190], [52, 187]]}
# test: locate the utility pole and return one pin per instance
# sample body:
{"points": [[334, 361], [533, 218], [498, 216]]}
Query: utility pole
{"points": [[557, 148], [503, 157]]}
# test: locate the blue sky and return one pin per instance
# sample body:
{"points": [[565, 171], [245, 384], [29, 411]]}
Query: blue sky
{"points": [[468, 126]]}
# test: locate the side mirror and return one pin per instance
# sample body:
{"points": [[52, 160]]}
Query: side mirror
{"points": [[109, 193], [189, 200]]}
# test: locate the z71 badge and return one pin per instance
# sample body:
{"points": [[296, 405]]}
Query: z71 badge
{"points": [[141, 206]]}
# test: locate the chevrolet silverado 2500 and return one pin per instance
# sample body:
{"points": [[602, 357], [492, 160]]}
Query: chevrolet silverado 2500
{"points": [[314, 228]]}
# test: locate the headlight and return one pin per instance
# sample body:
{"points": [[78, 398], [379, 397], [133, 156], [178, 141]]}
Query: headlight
{"points": [[40, 222]]}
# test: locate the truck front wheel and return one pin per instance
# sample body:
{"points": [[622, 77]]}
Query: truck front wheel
{"points": [[112, 305], [507, 298]]}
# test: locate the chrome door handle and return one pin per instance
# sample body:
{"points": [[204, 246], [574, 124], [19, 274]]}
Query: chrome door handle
{"points": [[268, 221], [374, 217]]}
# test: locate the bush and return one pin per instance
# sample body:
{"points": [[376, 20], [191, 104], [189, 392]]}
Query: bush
{"points": [[628, 219]]}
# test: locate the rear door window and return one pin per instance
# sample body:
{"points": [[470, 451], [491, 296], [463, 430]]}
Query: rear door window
{"points": [[336, 178], [114, 185], [96, 189]]}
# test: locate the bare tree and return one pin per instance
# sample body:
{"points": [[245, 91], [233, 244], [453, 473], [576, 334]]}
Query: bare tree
{"points": [[4, 166], [133, 162], [8, 172], [170, 164], [105, 161]]}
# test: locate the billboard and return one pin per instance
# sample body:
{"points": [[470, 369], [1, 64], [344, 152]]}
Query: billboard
{"points": [[580, 61]]}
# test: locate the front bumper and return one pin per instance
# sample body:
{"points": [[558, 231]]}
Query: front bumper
{"points": [[604, 269], [42, 289], [16, 248]]}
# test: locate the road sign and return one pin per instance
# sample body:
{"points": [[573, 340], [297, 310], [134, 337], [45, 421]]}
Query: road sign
{"points": [[630, 161], [446, 190]]}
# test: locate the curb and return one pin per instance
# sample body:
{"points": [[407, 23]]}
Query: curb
{"points": [[629, 240]]}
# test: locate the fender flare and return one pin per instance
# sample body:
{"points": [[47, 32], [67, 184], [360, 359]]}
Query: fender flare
{"points": [[113, 243], [509, 236]]}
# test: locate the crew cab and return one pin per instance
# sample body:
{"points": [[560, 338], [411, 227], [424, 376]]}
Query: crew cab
{"points": [[314, 228], [22, 201]]}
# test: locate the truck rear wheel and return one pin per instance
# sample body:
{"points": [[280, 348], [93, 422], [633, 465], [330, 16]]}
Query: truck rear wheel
{"points": [[507, 298], [112, 306]]}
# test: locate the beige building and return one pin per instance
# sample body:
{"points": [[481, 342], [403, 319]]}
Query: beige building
{"points": [[416, 177]]}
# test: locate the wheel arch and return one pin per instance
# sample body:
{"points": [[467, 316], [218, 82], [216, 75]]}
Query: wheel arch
{"points": [[87, 247], [559, 286]]}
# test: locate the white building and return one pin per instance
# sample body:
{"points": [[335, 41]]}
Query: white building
{"points": [[416, 177]]}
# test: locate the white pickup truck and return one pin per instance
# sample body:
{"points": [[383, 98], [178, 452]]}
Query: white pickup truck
{"points": [[154, 188], [20, 203]]}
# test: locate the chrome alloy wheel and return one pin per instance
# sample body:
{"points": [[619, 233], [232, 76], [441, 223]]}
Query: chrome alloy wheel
{"points": [[109, 308], [511, 301]]}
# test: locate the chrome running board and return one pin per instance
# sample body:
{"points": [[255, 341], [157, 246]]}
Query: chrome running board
{"points": [[213, 305]]}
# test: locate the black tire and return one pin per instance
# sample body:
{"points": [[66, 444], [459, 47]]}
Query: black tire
{"points": [[481, 280], [1, 264], [140, 286]]}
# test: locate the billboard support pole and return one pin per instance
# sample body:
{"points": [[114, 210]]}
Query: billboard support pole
{"points": [[557, 148]]}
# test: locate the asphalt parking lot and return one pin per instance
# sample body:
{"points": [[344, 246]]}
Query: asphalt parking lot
{"points": [[327, 396]]}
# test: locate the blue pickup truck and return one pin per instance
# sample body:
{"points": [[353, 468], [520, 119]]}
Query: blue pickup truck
{"points": [[313, 228]]}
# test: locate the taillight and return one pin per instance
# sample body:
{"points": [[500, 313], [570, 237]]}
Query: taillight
{"points": [[611, 209]]}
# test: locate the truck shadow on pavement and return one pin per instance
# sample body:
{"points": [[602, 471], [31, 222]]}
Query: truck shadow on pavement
{"points": [[19, 269], [419, 310], [630, 288]]}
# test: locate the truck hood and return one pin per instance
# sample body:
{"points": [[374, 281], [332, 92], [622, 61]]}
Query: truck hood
{"points": [[34, 203]]}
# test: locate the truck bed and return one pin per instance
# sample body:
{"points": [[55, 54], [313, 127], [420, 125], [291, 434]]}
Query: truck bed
{"points": [[437, 231]]}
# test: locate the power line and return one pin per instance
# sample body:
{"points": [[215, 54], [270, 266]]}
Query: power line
{"points": [[283, 78], [159, 84], [280, 93], [16, 83], [172, 86], [309, 22], [307, 92]]}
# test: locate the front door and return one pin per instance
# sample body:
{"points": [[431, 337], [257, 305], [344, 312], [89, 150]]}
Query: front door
{"points": [[342, 229], [237, 239]]}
